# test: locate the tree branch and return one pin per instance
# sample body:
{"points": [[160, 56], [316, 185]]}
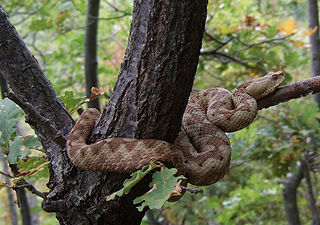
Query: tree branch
{"points": [[311, 198], [291, 91], [217, 54]]}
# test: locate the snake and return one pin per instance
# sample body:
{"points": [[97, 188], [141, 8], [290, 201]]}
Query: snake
{"points": [[202, 150]]}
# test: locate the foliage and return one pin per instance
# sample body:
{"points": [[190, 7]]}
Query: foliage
{"points": [[135, 178], [244, 38], [53, 31], [162, 185], [14, 146]]}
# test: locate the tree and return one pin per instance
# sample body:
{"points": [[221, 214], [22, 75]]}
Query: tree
{"points": [[90, 46], [157, 28]]}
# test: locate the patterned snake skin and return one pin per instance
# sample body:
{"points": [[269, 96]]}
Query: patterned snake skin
{"points": [[201, 152]]}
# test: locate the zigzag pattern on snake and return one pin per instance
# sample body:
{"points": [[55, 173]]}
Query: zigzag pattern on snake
{"points": [[201, 152]]}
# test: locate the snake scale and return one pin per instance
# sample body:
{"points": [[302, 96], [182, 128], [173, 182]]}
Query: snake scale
{"points": [[202, 150]]}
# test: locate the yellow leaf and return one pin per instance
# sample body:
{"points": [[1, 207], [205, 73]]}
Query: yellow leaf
{"points": [[310, 32], [288, 27], [297, 43], [226, 29], [61, 17]]}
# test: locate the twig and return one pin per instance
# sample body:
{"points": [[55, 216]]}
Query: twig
{"points": [[6, 174], [116, 9], [24, 184], [215, 54], [191, 190], [263, 42], [291, 91], [263, 215]]}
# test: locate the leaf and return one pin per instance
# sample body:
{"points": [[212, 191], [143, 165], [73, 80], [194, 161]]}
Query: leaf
{"points": [[10, 114], [38, 25], [20, 148], [61, 17], [271, 31], [288, 27], [226, 29], [33, 171], [249, 21], [70, 101], [135, 178], [309, 32], [2, 185], [299, 44], [33, 162], [95, 93], [163, 183]]}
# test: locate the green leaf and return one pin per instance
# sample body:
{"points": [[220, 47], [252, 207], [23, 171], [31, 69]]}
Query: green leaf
{"points": [[135, 178], [10, 114], [70, 101], [20, 148], [38, 25], [271, 31], [33, 162], [163, 183], [31, 142]]}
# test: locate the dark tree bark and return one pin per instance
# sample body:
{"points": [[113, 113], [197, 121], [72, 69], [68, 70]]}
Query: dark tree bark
{"points": [[313, 19], [90, 50], [289, 192], [148, 101], [3, 85]]}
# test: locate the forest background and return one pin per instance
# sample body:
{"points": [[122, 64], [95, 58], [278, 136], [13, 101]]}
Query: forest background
{"points": [[274, 159]]}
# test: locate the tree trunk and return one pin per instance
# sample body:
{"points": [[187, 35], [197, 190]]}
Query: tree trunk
{"points": [[289, 192], [90, 50], [22, 199], [12, 205], [148, 102], [311, 198], [313, 19]]}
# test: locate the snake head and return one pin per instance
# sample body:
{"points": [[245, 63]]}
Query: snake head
{"points": [[263, 86]]}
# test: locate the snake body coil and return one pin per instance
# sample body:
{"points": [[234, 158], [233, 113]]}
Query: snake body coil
{"points": [[201, 151]]}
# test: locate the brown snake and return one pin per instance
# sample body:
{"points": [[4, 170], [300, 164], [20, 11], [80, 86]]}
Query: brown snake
{"points": [[201, 152]]}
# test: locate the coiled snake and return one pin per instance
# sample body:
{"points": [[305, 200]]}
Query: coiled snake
{"points": [[201, 152]]}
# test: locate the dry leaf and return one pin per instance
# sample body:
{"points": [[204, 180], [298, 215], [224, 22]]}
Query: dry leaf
{"points": [[297, 43], [96, 92], [249, 21], [309, 32]]}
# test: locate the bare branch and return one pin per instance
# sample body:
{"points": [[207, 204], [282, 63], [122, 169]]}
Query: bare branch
{"points": [[31, 188], [291, 91], [216, 54], [264, 42], [192, 190]]}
